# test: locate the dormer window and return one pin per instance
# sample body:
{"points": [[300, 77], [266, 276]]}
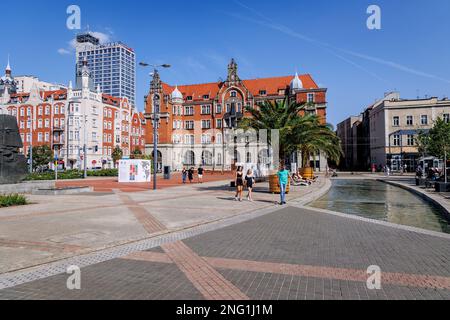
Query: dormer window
{"points": [[206, 97], [262, 92], [233, 94], [189, 98]]}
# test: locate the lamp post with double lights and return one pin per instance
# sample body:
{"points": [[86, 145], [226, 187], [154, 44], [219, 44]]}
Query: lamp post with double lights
{"points": [[156, 105]]}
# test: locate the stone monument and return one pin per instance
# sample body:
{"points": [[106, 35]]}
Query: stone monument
{"points": [[13, 164]]}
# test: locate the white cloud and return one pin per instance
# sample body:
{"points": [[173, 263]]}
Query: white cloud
{"points": [[63, 51]]}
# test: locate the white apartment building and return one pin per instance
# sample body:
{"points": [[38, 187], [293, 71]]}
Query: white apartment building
{"points": [[26, 83]]}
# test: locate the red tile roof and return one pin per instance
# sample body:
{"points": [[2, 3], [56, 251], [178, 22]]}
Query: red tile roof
{"points": [[270, 85]]}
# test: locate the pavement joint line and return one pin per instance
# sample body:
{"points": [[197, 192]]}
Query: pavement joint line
{"points": [[15, 278], [373, 221]]}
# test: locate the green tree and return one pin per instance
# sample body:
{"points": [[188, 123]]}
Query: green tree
{"points": [[42, 156], [117, 154], [439, 139], [438, 142], [136, 154]]}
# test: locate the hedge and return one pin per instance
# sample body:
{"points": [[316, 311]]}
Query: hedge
{"points": [[72, 174]]}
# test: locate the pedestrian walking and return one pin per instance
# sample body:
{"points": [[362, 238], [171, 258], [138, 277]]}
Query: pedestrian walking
{"points": [[250, 182], [283, 180], [200, 174], [191, 175], [184, 174], [239, 180]]}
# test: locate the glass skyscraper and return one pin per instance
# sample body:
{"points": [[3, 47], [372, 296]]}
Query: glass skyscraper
{"points": [[113, 65]]}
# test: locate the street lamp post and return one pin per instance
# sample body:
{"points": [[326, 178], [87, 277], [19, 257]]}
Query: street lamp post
{"points": [[156, 105]]}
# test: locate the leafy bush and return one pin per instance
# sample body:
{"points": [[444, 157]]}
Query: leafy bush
{"points": [[67, 175], [72, 174], [12, 200], [104, 173]]}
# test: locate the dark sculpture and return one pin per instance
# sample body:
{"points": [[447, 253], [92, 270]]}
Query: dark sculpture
{"points": [[13, 165]]}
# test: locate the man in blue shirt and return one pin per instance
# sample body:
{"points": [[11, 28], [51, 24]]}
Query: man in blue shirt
{"points": [[283, 180]]}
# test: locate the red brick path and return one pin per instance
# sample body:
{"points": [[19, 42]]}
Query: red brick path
{"points": [[150, 223], [109, 184], [401, 279], [211, 284]]}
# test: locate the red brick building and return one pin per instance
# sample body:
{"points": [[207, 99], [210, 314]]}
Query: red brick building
{"points": [[193, 116], [55, 118]]}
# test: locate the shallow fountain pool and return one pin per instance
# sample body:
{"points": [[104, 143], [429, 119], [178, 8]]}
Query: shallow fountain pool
{"points": [[380, 201]]}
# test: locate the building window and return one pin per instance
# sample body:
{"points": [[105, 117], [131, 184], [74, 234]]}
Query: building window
{"points": [[189, 111], [424, 120], [233, 94], [262, 92], [219, 123], [396, 140], [189, 98], [47, 137], [446, 118], [40, 123], [206, 139], [206, 124], [409, 120], [310, 97], [396, 121], [47, 123], [411, 140], [189, 125], [219, 108], [206, 97], [206, 109], [40, 137]]}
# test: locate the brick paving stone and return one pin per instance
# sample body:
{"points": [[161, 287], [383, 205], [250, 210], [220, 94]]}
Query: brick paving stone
{"points": [[115, 279], [296, 236]]}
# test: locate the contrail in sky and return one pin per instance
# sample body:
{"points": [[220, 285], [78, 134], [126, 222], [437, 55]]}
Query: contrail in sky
{"points": [[286, 30]]}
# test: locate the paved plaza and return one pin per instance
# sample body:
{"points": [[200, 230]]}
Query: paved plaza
{"points": [[195, 242]]}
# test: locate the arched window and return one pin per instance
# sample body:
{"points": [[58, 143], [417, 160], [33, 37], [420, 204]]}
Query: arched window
{"points": [[248, 158], [189, 158], [207, 158]]}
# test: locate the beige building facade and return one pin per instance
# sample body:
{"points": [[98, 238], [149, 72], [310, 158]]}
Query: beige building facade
{"points": [[394, 126]]}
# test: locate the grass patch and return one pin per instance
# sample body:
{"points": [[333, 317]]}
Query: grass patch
{"points": [[11, 200]]}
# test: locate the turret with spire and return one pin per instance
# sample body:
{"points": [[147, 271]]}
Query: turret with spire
{"points": [[233, 72], [7, 82]]}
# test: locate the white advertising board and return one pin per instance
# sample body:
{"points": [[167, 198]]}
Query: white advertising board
{"points": [[131, 171]]}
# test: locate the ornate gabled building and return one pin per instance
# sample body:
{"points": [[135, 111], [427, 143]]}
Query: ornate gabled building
{"points": [[193, 116], [68, 119]]}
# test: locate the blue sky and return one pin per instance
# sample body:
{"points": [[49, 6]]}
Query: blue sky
{"points": [[328, 39]]}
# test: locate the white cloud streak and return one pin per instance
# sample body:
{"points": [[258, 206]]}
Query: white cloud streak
{"points": [[288, 31]]}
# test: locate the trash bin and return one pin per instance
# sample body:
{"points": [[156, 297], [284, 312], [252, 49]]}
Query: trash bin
{"points": [[167, 171]]}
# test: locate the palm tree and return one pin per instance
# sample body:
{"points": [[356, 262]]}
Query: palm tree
{"points": [[312, 137], [275, 115], [297, 132]]}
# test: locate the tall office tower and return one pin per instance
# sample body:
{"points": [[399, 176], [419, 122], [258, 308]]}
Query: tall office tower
{"points": [[113, 65]]}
